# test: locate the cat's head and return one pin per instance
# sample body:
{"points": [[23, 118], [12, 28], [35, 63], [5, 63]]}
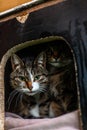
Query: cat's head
{"points": [[57, 59], [29, 79]]}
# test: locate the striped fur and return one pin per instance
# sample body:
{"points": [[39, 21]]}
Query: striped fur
{"points": [[30, 84], [44, 88]]}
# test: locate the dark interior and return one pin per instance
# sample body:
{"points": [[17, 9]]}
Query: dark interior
{"points": [[32, 52]]}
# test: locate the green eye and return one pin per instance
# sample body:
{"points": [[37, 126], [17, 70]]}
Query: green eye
{"points": [[36, 77], [22, 78]]}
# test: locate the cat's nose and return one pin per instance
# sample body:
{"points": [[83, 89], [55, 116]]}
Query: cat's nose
{"points": [[29, 85]]}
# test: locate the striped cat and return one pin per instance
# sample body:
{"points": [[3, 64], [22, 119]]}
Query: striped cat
{"points": [[44, 88], [63, 90], [30, 85]]}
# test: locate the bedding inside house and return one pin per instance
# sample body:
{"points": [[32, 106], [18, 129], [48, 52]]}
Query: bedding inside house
{"points": [[52, 78]]}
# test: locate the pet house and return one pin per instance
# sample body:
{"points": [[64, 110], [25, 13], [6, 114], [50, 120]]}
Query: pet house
{"points": [[63, 22]]}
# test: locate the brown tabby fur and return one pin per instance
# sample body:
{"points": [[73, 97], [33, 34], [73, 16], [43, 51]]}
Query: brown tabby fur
{"points": [[62, 81], [30, 84], [59, 95]]}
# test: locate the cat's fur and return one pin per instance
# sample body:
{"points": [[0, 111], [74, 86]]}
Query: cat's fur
{"points": [[53, 95], [31, 85], [62, 80]]}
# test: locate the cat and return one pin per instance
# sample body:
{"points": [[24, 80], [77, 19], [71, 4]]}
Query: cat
{"points": [[57, 58], [63, 90], [30, 85], [51, 90]]}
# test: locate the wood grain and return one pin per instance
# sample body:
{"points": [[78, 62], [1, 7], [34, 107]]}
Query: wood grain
{"points": [[8, 4], [24, 8]]}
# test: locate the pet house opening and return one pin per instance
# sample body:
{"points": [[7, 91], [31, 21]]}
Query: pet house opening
{"points": [[40, 79]]}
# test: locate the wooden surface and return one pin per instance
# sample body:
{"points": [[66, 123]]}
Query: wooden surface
{"points": [[28, 7], [8, 4]]}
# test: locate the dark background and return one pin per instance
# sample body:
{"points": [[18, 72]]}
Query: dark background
{"points": [[67, 19]]}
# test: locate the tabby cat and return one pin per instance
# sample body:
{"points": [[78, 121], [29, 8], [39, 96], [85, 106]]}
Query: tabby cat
{"points": [[44, 88], [63, 91], [30, 85]]}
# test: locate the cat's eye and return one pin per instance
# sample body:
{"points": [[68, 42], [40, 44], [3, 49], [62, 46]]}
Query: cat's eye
{"points": [[37, 77], [22, 78]]}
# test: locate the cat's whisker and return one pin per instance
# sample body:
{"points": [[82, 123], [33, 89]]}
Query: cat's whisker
{"points": [[10, 101], [11, 97], [12, 93], [42, 90], [17, 100], [21, 97], [23, 90]]}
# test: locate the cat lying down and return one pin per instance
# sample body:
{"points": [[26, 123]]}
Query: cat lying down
{"points": [[44, 93], [39, 93], [65, 122]]}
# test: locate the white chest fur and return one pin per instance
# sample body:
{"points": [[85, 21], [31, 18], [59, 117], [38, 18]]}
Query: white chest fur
{"points": [[35, 111]]}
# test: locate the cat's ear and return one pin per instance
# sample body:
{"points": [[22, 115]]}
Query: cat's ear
{"points": [[16, 62], [40, 61]]}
